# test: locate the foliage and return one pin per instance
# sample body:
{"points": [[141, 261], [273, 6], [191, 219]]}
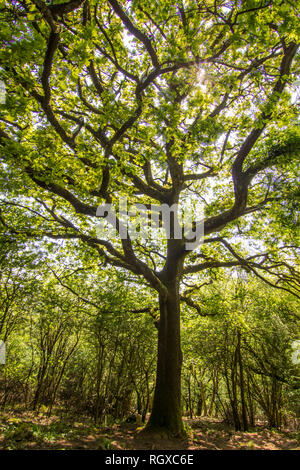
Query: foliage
{"points": [[187, 103]]}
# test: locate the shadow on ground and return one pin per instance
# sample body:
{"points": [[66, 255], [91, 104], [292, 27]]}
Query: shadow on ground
{"points": [[29, 431]]}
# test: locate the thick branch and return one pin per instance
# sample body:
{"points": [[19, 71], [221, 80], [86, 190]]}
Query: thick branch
{"points": [[135, 31]]}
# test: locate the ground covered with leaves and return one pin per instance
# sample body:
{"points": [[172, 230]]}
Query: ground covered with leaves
{"points": [[29, 431]]}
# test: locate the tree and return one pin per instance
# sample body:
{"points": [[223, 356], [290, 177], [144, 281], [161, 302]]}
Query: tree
{"points": [[246, 339], [160, 103]]}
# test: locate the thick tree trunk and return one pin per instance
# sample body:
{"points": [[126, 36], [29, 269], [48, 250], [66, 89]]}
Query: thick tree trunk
{"points": [[166, 413]]}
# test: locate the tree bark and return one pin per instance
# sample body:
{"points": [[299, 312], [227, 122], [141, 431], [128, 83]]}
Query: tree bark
{"points": [[242, 383], [166, 413]]}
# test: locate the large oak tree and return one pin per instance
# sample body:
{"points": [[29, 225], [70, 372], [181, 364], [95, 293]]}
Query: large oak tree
{"points": [[161, 102]]}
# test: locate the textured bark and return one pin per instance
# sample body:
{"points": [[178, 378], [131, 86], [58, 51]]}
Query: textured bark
{"points": [[166, 413]]}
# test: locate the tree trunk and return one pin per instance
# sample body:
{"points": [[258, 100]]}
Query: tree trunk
{"points": [[242, 383], [214, 391], [190, 406], [204, 405], [166, 413]]}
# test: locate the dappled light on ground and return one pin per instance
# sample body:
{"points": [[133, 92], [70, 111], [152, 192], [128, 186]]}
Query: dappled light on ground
{"points": [[34, 432]]}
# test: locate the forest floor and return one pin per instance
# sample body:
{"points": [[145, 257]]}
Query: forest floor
{"points": [[37, 432]]}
